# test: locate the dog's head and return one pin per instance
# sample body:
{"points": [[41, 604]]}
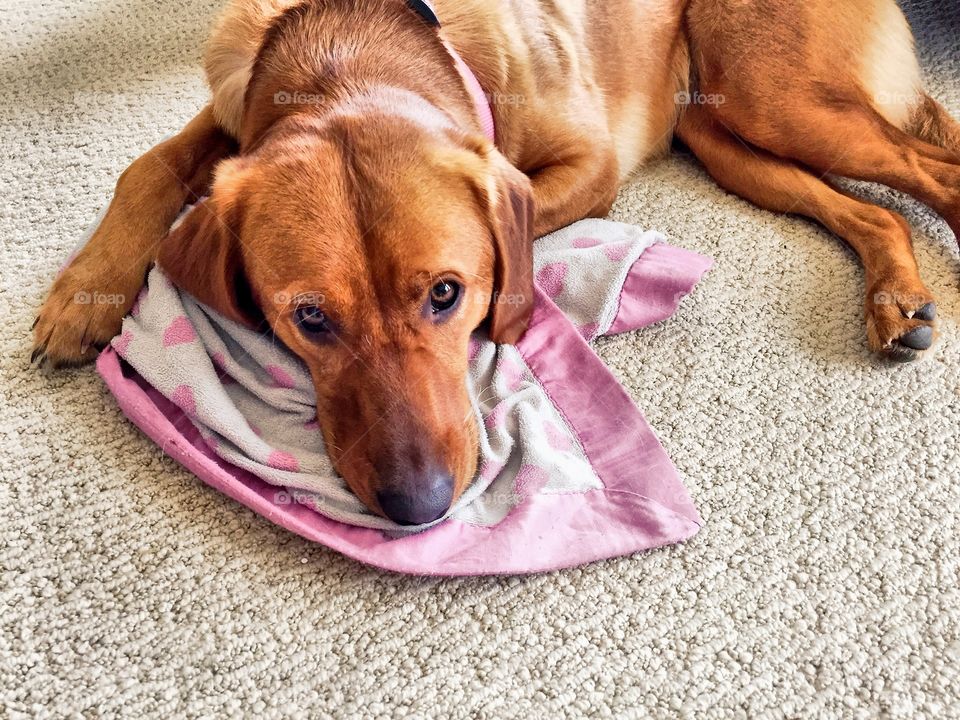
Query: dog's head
{"points": [[372, 251]]}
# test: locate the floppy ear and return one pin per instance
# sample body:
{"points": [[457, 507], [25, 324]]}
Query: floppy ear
{"points": [[510, 210], [203, 255]]}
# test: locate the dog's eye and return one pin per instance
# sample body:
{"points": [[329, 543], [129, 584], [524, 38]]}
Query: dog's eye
{"points": [[444, 296], [311, 319]]}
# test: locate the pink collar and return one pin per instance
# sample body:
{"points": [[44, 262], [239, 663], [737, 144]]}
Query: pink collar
{"points": [[426, 10], [480, 101]]}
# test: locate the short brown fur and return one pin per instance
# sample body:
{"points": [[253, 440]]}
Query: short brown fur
{"points": [[363, 196]]}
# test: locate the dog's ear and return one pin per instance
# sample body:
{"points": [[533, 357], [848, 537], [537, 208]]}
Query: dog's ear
{"points": [[509, 205], [203, 255]]}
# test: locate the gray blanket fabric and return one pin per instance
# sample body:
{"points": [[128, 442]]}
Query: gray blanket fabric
{"points": [[823, 585]]}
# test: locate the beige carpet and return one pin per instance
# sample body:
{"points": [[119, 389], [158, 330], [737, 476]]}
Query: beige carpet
{"points": [[825, 583]]}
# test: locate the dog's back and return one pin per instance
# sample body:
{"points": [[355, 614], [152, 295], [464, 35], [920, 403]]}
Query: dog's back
{"points": [[620, 65]]}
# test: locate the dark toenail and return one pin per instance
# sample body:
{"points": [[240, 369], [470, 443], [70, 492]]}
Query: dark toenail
{"points": [[920, 338], [927, 312], [902, 354]]}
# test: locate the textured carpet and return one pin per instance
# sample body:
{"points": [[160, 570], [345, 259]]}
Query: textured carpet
{"points": [[825, 583]]}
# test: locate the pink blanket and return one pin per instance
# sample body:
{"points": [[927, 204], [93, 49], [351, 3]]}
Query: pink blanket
{"points": [[595, 483]]}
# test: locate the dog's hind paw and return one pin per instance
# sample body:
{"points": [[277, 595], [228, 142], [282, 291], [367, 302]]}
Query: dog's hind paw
{"points": [[901, 322]]}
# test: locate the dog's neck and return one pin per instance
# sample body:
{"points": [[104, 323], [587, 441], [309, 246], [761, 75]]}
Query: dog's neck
{"points": [[315, 64]]}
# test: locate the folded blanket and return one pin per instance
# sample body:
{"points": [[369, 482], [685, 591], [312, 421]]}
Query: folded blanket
{"points": [[570, 472]]}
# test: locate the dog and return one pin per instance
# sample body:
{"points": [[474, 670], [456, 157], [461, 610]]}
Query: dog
{"points": [[374, 200]]}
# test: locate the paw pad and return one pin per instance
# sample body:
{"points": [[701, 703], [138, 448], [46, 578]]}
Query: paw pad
{"points": [[920, 338]]}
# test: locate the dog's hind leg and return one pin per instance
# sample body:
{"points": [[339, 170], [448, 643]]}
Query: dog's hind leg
{"points": [[899, 308], [824, 106], [848, 139], [87, 302], [835, 96]]}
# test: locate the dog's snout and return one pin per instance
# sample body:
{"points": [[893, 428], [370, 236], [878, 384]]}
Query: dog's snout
{"points": [[415, 501]]}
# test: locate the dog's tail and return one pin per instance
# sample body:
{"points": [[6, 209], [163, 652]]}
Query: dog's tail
{"points": [[931, 123]]}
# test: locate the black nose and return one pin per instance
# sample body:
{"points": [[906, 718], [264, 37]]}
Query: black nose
{"points": [[419, 502]]}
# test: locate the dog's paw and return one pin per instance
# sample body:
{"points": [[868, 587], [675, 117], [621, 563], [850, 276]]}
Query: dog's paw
{"points": [[82, 313], [901, 320]]}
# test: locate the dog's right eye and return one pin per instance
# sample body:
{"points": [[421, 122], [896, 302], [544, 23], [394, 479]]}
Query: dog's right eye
{"points": [[312, 320]]}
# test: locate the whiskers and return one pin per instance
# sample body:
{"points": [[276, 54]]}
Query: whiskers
{"points": [[487, 395], [481, 396]]}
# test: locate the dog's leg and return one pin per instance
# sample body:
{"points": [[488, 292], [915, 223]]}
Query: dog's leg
{"points": [[87, 302], [573, 185], [836, 96], [861, 145], [899, 308]]}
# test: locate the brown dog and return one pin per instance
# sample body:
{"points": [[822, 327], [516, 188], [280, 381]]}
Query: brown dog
{"points": [[377, 204]]}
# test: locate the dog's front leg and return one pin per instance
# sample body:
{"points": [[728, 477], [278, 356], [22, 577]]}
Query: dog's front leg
{"points": [[572, 185], [87, 302]]}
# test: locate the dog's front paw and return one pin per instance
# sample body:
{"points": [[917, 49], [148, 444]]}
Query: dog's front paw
{"points": [[82, 313], [901, 320]]}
